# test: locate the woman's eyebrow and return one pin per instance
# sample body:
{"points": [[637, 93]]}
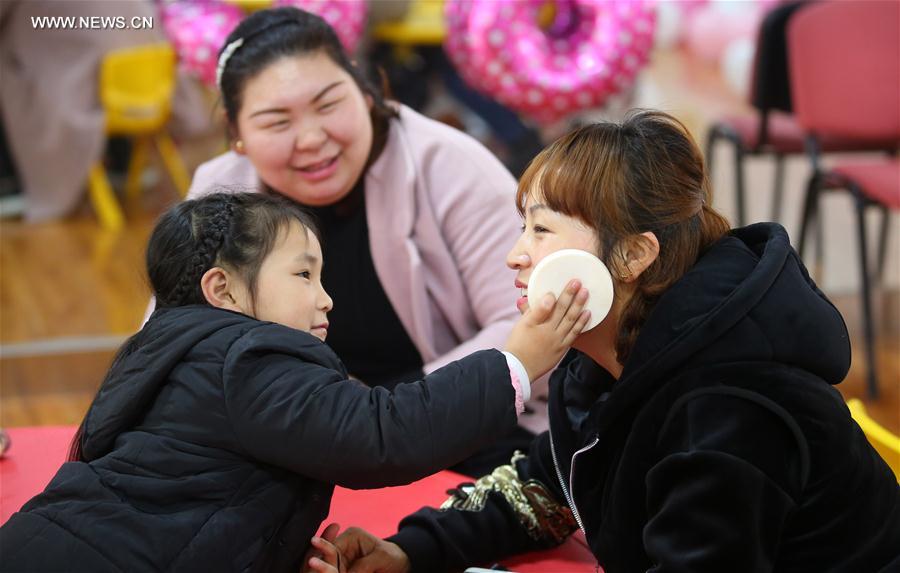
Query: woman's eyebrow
{"points": [[536, 207], [269, 110], [325, 90], [318, 96]]}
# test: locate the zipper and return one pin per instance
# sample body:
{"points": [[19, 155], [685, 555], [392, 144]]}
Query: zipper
{"points": [[570, 496]]}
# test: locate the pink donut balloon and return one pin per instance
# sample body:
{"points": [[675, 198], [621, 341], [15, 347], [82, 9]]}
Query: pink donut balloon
{"points": [[197, 30], [592, 50], [347, 17]]}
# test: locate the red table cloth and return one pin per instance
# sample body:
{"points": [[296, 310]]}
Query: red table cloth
{"points": [[37, 452]]}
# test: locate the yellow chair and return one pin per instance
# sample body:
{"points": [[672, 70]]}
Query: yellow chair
{"points": [[423, 25], [885, 443], [251, 5], [136, 86]]}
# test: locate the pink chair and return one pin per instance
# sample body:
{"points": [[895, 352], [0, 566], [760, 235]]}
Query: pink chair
{"points": [[772, 129], [845, 78]]}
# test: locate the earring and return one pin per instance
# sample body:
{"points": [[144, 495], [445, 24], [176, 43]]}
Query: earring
{"points": [[239, 146], [626, 277]]}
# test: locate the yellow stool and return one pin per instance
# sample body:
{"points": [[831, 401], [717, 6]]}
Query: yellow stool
{"points": [[885, 443], [251, 5], [423, 25], [136, 86]]}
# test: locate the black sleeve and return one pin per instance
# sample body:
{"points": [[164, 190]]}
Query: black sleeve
{"points": [[721, 495], [517, 508], [309, 419]]}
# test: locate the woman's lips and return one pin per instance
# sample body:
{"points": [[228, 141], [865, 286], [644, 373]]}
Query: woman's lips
{"points": [[522, 301], [319, 170]]}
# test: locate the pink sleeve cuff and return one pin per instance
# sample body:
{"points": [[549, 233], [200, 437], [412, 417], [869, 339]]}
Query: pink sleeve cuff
{"points": [[516, 374], [517, 386]]}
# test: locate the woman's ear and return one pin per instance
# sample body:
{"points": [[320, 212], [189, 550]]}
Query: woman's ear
{"points": [[237, 144], [221, 289], [639, 254]]}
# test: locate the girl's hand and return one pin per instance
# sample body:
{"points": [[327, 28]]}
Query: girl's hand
{"points": [[324, 557], [548, 328]]}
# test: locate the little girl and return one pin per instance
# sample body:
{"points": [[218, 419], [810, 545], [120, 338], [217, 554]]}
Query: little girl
{"points": [[218, 435]]}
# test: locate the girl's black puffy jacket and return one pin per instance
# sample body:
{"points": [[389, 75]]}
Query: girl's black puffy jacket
{"points": [[215, 441]]}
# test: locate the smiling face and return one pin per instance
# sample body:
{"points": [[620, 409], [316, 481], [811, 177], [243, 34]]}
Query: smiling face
{"points": [[305, 126], [289, 287], [545, 231]]}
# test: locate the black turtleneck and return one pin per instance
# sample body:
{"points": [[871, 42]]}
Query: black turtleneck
{"points": [[364, 331]]}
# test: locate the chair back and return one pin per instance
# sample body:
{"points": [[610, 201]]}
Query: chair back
{"points": [[136, 86], [770, 87], [845, 69]]}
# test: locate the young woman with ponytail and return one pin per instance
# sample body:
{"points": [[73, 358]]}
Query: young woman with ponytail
{"points": [[696, 427]]}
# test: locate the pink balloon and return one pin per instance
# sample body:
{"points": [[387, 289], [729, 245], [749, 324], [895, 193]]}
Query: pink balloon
{"points": [[197, 30], [347, 17], [593, 49]]}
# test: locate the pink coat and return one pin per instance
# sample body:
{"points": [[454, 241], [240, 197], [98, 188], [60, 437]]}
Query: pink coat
{"points": [[441, 216]]}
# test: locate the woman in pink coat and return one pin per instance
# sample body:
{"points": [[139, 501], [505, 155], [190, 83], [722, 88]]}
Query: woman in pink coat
{"points": [[415, 215]]}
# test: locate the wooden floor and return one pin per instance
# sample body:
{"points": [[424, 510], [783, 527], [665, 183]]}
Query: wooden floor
{"points": [[70, 292]]}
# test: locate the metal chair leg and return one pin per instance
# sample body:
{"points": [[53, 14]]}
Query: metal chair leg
{"points": [[883, 243], [868, 328], [716, 133], [739, 183], [778, 191], [809, 212], [711, 140]]}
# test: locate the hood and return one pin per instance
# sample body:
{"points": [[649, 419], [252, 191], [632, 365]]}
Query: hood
{"points": [[749, 298], [146, 360]]}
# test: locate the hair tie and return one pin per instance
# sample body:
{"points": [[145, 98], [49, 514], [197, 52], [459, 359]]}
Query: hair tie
{"points": [[229, 51]]}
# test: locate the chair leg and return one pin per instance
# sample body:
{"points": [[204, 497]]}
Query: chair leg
{"points": [[883, 243], [711, 140], [136, 168], [809, 212], [174, 164], [868, 328], [739, 183], [819, 230], [104, 200], [778, 192]]}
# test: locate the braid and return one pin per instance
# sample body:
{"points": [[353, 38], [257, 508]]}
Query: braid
{"points": [[210, 242]]}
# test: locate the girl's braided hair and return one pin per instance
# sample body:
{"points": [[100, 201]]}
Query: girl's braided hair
{"points": [[235, 231], [226, 229]]}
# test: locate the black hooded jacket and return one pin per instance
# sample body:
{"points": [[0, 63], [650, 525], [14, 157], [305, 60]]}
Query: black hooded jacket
{"points": [[722, 447], [216, 440]]}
